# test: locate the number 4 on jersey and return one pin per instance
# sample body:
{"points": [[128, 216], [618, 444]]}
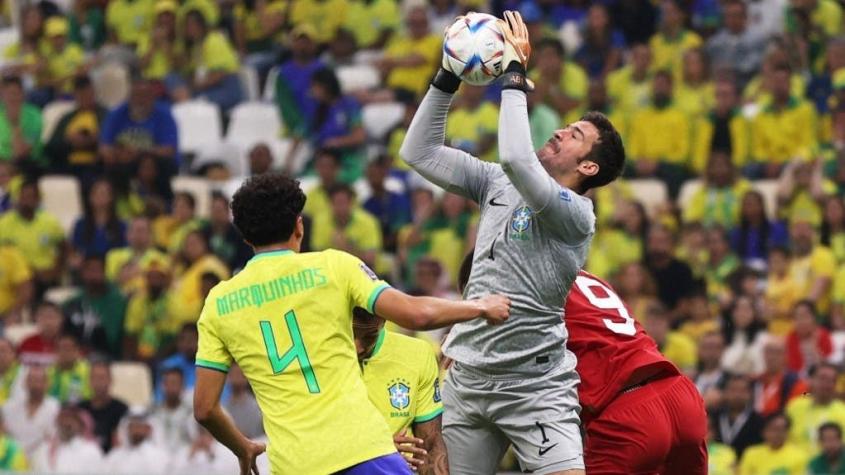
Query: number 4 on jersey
{"points": [[610, 302], [296, 352]]}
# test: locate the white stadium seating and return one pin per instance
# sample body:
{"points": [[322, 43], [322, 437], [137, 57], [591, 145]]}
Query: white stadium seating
{"points": [[60, 196]]}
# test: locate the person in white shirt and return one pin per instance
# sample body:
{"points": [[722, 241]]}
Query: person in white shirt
{"points": [[173, 421], [68, 451], [138, 454], [32, 420], [205, 455], [745, 336]]}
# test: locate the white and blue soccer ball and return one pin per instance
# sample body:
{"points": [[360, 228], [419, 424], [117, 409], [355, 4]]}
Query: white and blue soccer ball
{"points": [[473, 48]]}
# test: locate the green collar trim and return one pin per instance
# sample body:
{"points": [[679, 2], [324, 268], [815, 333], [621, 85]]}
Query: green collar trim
{"points": [[379, 341], [267, 254]]}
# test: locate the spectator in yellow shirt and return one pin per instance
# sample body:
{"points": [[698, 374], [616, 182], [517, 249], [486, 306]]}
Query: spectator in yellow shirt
{"points": [[807, 413], [559, 83], [59, 64], [695, 94], [124, 266], [37, 235], [672, 39], [675, 346], [801, 188], [410, 59], [782, 292], [194, 260], [21, 57], [722, 129], [258, 32], [837, 313], [473, 123], [347, 227], [629, 87], [775, 455], [783, 131], [149, 327], [16, 287], [659, 138], [161, 52], [813, 266], [327, 167], [372, 22], [325, 16], [128, 20], [718, 200], [833, 226], [170, 230], [815, 21]]}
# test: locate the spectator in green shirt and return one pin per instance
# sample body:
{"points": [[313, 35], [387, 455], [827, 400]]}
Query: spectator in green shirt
{"points": [[832, 459], [20, 126]]}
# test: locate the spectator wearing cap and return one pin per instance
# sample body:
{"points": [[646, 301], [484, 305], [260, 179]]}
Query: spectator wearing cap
{"points": [[13, 457], [87, 24], [32, 420], [808, 344], [812, 266], [148, 328], [559, 83], [735, 45], [831, 460], [735, 422], [225, 241], [194, 260], [808, 412], [103, 409], [473, 123], [775, 454], [69, 450], [411, 57], [780, 132], [96, 314], [722, 130], [675, 346], [347, 227], [72, 148], [172, 419], [124, 265], [20, 127], [60, 63], [69, 377], [391, 208], [212, 65], [16, 287], [665, 156], [138, 453], [161, 51], [40, 348], [672, 38], [629, 87]]}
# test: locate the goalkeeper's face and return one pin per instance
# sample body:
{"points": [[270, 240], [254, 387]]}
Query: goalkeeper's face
{"points": [[564, 152]]}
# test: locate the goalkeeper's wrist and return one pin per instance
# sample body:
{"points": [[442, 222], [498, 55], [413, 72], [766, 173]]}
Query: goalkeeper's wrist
{"points": [[446, 81], [514, 77]]}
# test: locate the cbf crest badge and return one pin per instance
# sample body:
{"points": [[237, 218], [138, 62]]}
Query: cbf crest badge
{"points": [[400, 394], [521, 223]]}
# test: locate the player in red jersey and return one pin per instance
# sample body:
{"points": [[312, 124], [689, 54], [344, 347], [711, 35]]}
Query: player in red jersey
{"points": [[640, 414]]}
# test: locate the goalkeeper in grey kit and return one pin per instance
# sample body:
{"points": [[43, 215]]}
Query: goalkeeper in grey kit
{"points": [[516, 383]]}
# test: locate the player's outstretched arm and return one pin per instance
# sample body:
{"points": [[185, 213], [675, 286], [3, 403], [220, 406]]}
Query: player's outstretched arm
{"points": [[424, 147], [207, 411], [428, 313]]}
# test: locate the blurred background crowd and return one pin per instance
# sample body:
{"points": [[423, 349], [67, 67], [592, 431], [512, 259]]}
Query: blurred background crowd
{"points": [[126, 125]]}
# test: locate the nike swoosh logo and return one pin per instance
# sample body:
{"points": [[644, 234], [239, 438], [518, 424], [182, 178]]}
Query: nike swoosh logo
{"points": [[543, 450], [493, 202]]}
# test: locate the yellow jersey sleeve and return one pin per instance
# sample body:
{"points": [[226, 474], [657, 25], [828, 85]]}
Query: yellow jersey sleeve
{"points": [[211, 352], [823, 263], [363, 284], [430, 404]]}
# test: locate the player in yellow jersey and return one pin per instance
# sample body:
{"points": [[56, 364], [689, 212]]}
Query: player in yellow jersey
{"points": [[403, 381], [286, 320]]}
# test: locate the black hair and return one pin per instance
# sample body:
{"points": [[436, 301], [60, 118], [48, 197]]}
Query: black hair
{"points": [[113, 225], [729, 330], [730, 377], [198, 16], [189, 327], [187, 196], [29, 183], [822, 365], [552, 43], [326, 78], [327, 152], [12, 80], [745, 228], [607, 152], [361, 315], [265, 208], [94, 257], [465, 271], [830, 426], [210, 277], [806, 303], [340, 188], [81, 81], [173, 370], [774, 416], [826, 231]]}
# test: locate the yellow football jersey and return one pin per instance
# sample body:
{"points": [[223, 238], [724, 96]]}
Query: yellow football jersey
{"points": [[402, 379], [286, 320]]}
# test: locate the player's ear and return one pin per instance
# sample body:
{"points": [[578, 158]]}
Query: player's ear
{"points": [[299, 229], [588, 167]]}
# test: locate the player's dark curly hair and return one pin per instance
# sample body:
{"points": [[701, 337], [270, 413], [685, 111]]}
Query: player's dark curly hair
{"points": [[608, 152], [265, 208]]}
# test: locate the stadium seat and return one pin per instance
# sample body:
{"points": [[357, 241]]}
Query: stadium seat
{"points": [[132, 383], [249, 82], [61, 197], [18, 332], [60, 295], [269, 93], [254, 122], [200, 188], [379, 119], [651, 192], [358, 77], [8, 36], [200, 125], [769, 190], [688, 190], [51, 115], [111, 83]]}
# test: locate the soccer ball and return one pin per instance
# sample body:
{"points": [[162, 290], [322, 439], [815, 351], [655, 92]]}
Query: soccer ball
{"points": [[473, 48]]}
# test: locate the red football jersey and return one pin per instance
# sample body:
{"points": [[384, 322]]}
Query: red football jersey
{"points": [[612, 348]]}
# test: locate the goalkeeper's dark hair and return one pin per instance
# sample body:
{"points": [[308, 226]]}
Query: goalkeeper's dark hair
{"points": [[607, 152], [265, 208]]}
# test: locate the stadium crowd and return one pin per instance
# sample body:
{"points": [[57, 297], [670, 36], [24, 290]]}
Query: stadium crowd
{"points": [[726, 239]]}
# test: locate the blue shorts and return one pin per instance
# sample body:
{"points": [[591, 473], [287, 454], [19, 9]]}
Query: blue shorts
{"points": [[385, 465]]}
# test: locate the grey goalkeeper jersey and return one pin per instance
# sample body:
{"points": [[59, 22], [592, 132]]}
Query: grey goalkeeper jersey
{"points": [[533, 237]]}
